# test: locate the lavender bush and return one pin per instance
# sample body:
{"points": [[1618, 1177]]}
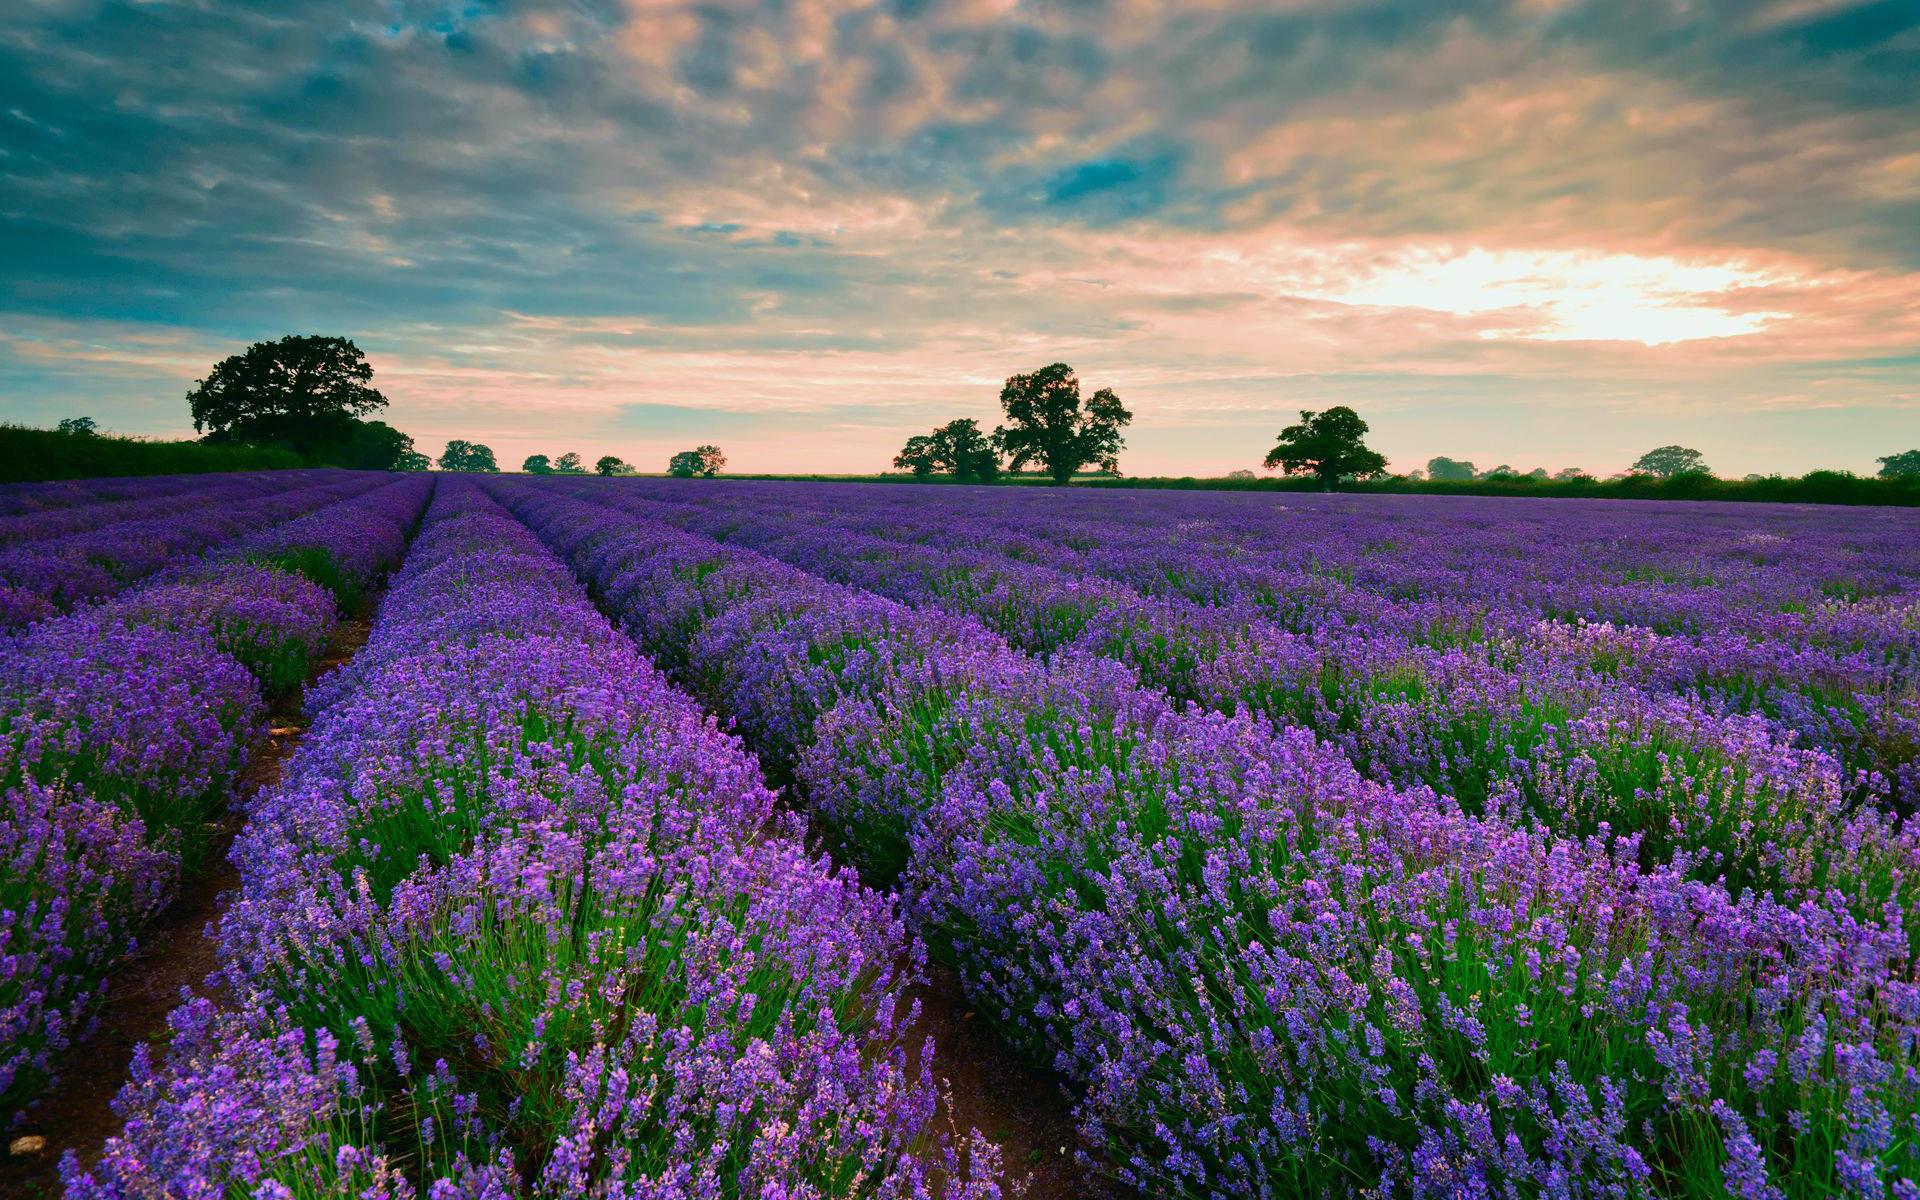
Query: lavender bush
{"points": [[1270, 974], [125, 727], [46, 576], [522, 920]]}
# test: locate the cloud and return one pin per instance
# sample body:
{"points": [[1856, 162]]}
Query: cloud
{"points": [[862, 210]]}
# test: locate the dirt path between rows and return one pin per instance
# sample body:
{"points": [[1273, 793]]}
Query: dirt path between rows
{"points": [[990, 1089], [176, 953]]}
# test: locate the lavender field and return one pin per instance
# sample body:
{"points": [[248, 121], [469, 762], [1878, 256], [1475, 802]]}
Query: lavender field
{"points": [[1302, 845]]}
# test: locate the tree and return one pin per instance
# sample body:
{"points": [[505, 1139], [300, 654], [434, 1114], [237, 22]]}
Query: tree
{"points": [[1537, 473], [1570, 474], [969, 451], [1447, 469], [537, 464], [920, 456], [1668, 462], [301, 392], [957, 448], [462, 455], [1048, 424], [369, 446], [1241, 474], [413, 460], [87, 427], [1904, 465], [1503, 471], [569, 464], [702, 461], [1326, 444], [611, 466]]}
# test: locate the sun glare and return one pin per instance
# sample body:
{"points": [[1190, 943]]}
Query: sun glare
{"points": [[1564, 296]]}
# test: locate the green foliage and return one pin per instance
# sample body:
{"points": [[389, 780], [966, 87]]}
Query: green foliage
{"points": [[462, 455], [1819, 487], [918, 456], [1443, 468], [537, 464], [1328, 446], [702, 462], [370, 446], [87, 427], [1904, 465], [610, 466], [1670, 462], [301, 392], [569, 464], [413, 460], [1046, 423], [957, 448], [32, 455]]}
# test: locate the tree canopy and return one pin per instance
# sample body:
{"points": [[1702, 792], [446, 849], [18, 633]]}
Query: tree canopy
{"points": [[569, 463], [462, 455], [958, 448], [1904, 465], [1327, 444], [703, 462], [1048, 424], [1668, 462], [371, 446], [610, 465], [537, 464], [87, 427], [1444, 468], [302, 392]]}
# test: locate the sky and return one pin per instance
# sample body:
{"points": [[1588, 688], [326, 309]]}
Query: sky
{"points": [[1535, 232]]}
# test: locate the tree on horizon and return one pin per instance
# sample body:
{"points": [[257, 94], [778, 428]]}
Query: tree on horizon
{"points": [[701, 462], [462, 455], [1904, 465], [1670, 462], [1328, 445], [957, 448], [1048, 424], [304, 392]]}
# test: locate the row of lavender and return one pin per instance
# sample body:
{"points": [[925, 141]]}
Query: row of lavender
{"points": [[108, 547], [1270, 976], [151, 496], [522, 921], [1476, 693], [23, 499], [122, 730]]}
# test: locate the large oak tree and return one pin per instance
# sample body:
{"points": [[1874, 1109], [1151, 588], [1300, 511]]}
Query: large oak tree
{"points": [[306, 393], [1048, 424]]}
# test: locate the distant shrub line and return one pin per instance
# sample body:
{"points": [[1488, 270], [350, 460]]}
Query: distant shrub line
{"points": [[33, 455], [1818, 487]]}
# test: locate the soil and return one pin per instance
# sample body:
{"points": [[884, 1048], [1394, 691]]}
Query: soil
{"points": [[175, 955], [985, 1083], [988, 1087]]}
